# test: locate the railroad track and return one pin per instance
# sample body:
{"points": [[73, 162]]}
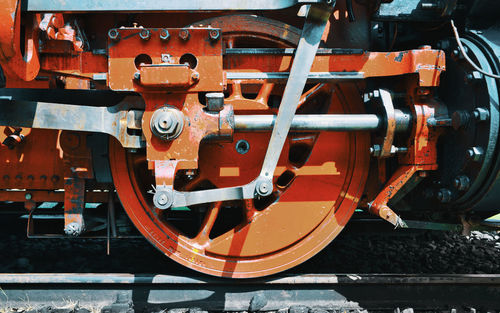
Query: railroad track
{"points": [[117, 293]]}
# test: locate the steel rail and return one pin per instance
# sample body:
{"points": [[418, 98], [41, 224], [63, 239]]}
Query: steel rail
{"points": [[143, 292]]}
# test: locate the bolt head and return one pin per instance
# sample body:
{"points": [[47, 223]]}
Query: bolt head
{"points": [[164, 34], [195, 76], [474, 76], [114, 34], [444, 195], [166, 58], [184, 34], [73, 229], [214, 34], [375, 150], [28, 196], [264, 188], [145, 34], [163, 199], [481, 114], [462, 182], [475, 154]]}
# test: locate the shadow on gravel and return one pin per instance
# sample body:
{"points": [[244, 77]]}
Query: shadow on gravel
{"points": [[354, 251]]}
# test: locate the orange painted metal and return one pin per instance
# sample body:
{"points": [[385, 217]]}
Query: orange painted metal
{"points": [[155, 57], [199, 124], [27, 66], [36, 163], [428, 64], [421, 156], [320, 176], [313, 199], [315, 202]]}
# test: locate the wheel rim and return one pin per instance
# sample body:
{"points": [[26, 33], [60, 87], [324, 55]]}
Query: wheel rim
{"points": [[318, 182]]}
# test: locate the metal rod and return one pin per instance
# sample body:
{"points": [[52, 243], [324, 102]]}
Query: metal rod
{"points": [[320, 122], [282, 76], [159, 5]]}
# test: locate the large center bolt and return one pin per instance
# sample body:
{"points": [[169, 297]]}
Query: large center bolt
{"points": [[167, 123]]}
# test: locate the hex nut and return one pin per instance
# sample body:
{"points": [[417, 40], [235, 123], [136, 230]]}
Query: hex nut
{"points": [[481, 114], [444, 195], [164, 34], [114, 34], [475, 154], [462, 182], [145, 34], [214, 34], [474, 76]]}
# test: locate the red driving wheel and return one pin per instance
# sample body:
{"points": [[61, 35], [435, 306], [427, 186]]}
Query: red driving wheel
{"points": [[318, 182]]}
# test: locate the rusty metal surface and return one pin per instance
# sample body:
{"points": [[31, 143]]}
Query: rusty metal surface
{"points": [[27, 66]]}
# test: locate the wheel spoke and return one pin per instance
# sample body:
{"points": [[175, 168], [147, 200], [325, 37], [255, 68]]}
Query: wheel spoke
{"points": [[208, 223], [311, 93], [250, 210], [264, 93], [236, 91]]}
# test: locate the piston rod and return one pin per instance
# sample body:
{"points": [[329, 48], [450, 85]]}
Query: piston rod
{"points": [[321, 122]]}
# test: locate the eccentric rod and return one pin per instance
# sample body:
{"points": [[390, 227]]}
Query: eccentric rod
{"points": [[321, 122]]}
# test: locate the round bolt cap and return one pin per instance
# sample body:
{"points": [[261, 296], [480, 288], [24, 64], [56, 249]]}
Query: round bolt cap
{"points": [[163, 199], [167, 123], [444, 195], [462, 183], [264, 188]]}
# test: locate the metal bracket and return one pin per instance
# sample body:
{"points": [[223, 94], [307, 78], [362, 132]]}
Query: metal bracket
{"points": [[386, 148], [109, 120]]}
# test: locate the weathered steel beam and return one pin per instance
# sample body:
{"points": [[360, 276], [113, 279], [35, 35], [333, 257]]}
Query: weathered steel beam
{"points": [[160, 5]]}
